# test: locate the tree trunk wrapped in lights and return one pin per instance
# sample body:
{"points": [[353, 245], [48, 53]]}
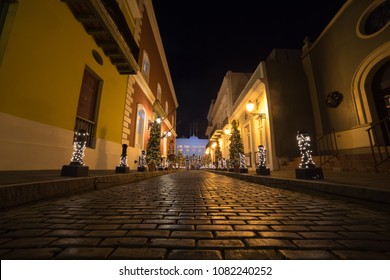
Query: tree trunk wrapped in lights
{"points": [[142, 162], [153, 156], [243, 167], [123, 168], [76, 168], [304, 144], [236, 147], [262, 167], [307, 168], [224, 165]]}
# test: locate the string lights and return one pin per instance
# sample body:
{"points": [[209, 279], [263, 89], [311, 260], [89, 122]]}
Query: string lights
{"points": [[142, 162], [303, 139], [123, 168], [76, 168], [243, 167], [79, 145], [307, 168], [262, 167]]}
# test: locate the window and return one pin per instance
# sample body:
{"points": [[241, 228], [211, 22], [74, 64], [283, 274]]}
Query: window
{"points": [[87, 108], [146, 66], [158, 92], [374, 19], [378, 18], [140, 127]]}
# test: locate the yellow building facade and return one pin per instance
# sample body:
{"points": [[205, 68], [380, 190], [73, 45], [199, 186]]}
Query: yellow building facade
{"points": [[64, 64]]}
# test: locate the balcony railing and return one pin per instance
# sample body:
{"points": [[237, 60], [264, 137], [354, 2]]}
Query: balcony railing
{"points": [[327, 147], [379, 135], [89, 127]]}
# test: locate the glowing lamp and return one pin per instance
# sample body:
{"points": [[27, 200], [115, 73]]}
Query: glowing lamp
{"points": [[250, 106]]}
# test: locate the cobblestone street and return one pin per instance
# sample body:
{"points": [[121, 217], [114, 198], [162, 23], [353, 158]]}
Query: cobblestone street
{"points": [[194, 215]]}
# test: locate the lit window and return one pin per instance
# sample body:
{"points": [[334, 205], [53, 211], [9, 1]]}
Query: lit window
{"points": [[146, 66], [140, 129], [159, 92]]}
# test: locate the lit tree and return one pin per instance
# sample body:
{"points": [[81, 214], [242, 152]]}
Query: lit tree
{"points": [[180, 159], [153, 156], [206, 160], [236, 145]]}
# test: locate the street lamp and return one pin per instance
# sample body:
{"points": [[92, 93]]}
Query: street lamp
{"points": [[250, 106]]}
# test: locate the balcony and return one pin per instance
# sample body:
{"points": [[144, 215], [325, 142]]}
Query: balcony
{"points": [[105, 22]]}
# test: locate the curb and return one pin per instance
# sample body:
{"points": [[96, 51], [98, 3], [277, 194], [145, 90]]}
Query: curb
{"points": [[315, 187], [17, 194]]}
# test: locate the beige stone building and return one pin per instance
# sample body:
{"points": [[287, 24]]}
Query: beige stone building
{"points": [[337, 88], [348, 73]]}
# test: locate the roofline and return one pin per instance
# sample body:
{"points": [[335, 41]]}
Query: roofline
{"points": [[160, 47]]}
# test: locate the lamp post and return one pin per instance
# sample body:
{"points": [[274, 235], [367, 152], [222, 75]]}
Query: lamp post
{"points": [[261, 168], [250, 106]]}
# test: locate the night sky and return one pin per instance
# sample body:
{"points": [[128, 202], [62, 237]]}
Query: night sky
{"points": [[205, 39]]}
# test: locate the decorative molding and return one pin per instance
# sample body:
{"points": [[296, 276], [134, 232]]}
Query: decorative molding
{"points": [[128, 110], [157, 36]]}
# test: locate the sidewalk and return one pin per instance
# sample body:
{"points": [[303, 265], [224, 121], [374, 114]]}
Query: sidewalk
{"points": [[370, 188], [18, 187]]}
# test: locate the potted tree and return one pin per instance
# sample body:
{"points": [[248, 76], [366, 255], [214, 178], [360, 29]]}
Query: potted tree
{"points": [[236, 147], [153, 148]]}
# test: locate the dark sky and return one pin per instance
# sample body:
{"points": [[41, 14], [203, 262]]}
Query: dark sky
{"points": [[205, 39]]}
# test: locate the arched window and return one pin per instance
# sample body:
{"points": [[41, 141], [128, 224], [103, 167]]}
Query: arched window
{"points": [[158, 92], [140, 127], [146, 66], [378, 18]]}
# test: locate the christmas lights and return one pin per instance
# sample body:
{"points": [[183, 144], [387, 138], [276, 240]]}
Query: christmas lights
{"points": [[243, 167], [153, 156], [307, 168], [76, 168], [123, 168], [142, 162], [79, 145], [236, 147], [224, 164], [303, 139], [262, 167]]}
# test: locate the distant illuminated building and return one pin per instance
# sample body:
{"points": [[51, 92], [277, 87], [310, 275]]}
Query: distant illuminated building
{"points": [[191, 146]]}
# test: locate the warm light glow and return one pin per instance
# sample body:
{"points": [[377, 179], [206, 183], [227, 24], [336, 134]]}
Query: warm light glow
{"points": [[227, 131], [214, 145], [169, 134], [250, 106], [158, 120], [207, 152]]}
